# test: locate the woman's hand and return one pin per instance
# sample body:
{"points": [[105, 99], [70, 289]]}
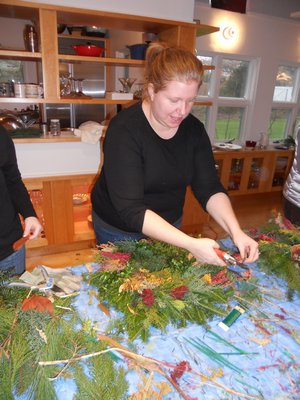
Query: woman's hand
{"points": [[33, 228], [204, 251], [247, 246]]}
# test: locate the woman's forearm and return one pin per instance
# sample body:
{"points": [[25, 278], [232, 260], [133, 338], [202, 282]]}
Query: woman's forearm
{"points": [[220, 208], [157, 228]]}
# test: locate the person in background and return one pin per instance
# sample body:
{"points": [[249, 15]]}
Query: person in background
{"points": [[152, 151], [14, 201], [291, 190]]}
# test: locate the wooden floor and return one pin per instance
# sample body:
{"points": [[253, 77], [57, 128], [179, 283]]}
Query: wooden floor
{"points": [[252, 211]]}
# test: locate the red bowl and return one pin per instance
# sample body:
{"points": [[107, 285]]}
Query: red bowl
{"points": [[88, 50]]}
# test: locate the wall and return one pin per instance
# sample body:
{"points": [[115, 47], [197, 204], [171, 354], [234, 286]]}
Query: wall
{"points": [[271, 40], [166, 9]]}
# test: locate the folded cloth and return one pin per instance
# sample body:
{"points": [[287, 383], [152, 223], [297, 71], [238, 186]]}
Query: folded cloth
{"points": [[89, 131]]}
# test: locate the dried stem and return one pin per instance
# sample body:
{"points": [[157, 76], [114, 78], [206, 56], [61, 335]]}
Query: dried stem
{"points": [[148, 363]]}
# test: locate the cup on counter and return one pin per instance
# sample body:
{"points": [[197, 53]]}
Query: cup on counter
{"points": [[250, 144], [19, 89]]}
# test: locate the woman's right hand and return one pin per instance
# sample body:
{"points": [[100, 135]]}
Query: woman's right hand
{"points": [[204, 251]]}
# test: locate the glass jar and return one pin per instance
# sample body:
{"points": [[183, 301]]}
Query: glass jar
{"points": [[55, 127], [30, 38]]}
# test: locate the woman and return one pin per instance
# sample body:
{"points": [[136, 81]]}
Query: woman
{"points": [[14, 200], [291, 190], [152, 151]]}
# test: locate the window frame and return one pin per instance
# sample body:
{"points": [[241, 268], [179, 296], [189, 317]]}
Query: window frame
{"points": [[245, 102], [292, 106]]}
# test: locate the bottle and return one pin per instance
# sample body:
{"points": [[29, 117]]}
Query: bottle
{"points": [[30, 38], [55, 127], [264, 140]]}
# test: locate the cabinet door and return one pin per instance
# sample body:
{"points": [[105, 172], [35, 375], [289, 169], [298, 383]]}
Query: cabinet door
{"points": [[281, 167], [82, 208], [35, 191]]}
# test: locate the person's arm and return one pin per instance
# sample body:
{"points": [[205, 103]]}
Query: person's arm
{"points": [[202, 249], [220, 208], [18, 192]]}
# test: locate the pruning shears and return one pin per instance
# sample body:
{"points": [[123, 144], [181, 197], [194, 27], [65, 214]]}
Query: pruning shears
{"points": [[233, 263]]}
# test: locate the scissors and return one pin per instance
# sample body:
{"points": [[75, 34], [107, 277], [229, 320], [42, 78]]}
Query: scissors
{"points": [[232, 261]]}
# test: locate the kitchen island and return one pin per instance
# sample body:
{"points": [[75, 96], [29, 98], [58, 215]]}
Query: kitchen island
{"points": [[58, 172]]}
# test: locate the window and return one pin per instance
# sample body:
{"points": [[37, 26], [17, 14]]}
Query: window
{"points": [[285, 113], [228, 87], [202, 113], [285, 87], [205, 87], [228, 123], [233, 78]]}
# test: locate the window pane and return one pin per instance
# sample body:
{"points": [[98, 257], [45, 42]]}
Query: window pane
{"points": [[234, 78], [206, 80], [278, 122], [201, 112], [297, 123], [285, 83], [229, 121]]}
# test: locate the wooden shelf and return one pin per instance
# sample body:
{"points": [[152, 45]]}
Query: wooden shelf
{"points": [[20, 54], [103, 60], [82, 37]]}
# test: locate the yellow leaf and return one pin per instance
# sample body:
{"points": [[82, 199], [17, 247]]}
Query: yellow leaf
{"points": [[179, 304]]}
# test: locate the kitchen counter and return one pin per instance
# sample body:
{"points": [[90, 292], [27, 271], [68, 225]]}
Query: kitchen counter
{"points": [[66, 136], [56, 156]]}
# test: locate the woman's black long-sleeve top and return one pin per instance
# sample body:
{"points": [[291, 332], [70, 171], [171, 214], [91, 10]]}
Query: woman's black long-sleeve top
{"points": [[14, 198], [143, 171]]}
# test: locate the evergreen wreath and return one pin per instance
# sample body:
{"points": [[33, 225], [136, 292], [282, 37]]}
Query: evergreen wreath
{"points": [[153, 284]]}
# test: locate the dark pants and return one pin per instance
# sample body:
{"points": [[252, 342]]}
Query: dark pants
{"points": [[106, 233], [291, 212]]}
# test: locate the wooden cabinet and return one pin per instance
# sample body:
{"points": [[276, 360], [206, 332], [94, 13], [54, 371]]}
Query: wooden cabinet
{"points": [[248, 171], [46, 18], [242, 173], [64, 209]]}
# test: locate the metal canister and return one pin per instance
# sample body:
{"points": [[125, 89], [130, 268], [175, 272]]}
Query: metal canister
{"points": [[5, 89], [44, 128]]}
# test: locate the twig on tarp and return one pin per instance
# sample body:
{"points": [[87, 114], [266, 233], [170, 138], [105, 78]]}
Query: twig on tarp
{"points": [[150, 364]]}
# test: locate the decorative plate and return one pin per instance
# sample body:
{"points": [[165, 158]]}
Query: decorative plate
{"points": [[80, 198], [227, 146]]}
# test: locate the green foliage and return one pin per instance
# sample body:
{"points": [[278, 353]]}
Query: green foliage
{"points": [[158, 269], [104, 381], [275, 244], [275, 258], [28, 337]]}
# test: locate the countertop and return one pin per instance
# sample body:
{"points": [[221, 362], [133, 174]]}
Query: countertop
{"points": [[66, 136]]}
